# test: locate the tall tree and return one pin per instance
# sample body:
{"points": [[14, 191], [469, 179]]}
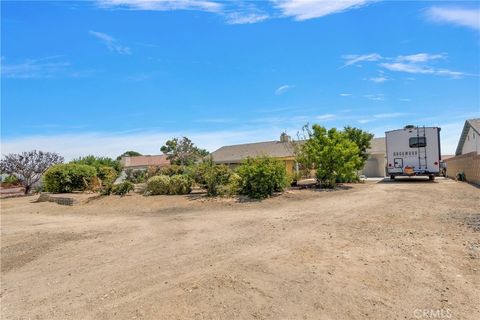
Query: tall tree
{"points": [[129, 154], [182, 151], [362, 140], [29, 166], [331, 153]]}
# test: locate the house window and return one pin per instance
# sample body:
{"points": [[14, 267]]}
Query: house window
{"points": [[418, 142]]}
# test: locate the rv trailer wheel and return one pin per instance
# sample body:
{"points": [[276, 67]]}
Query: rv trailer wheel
{"points": [[431, 177], [392, 177]]}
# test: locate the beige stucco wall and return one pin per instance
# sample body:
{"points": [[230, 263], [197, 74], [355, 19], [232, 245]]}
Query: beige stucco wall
{"points": [[375, 166], [472, 142], [468, 163]]}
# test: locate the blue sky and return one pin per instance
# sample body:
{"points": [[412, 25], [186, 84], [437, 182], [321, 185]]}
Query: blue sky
{"points": [[103, 77]]}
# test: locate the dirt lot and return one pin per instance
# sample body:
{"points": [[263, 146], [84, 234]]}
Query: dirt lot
{"points": [[391, 250]]}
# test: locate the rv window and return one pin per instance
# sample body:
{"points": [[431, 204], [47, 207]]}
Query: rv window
{"points": [[418, 142]]}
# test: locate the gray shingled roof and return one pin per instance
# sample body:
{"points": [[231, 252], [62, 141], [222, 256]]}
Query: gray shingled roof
{"points": [[471, 123], [236, 153], [277, 149]]}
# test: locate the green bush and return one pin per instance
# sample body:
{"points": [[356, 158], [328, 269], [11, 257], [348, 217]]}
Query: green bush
{"points": [[98, 162], [11, 179], [261, 177], [172, 170], [69, 177], [123, 188], [107, 174], [162, 184], [214, 178], [180, 184], [232, 187], [136, 175], [158, 185]]}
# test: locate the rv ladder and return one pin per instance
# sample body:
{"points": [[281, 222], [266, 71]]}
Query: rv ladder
{"points": [[422, 148]]}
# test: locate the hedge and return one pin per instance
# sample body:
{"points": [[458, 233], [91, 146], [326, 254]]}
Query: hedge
{"points": [[68, 177]]}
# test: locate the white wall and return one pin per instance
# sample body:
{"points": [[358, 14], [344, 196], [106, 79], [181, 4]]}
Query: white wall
{"points": [[472, 142]]}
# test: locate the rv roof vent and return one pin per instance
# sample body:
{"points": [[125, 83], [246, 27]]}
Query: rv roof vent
{"points": [[409, 126]]}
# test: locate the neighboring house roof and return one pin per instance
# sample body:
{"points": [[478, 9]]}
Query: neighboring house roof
{"points": [[276, 149], [377, 145], [145, 161], [471, 123], [447, 156], [236, 153]]}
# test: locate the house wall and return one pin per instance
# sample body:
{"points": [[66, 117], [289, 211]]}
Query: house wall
{"points": [[375, 166], [472, 142], [468, 163], [290, 166]]}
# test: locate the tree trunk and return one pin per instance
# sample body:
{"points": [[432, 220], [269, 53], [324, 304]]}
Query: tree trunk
{"points": [[27, 189]]}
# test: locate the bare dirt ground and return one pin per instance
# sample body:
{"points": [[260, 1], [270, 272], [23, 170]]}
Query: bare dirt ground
{"points": [[391, 250]]}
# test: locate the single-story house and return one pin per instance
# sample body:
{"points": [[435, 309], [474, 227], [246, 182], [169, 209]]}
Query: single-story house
{"points": [[470, 138], [284, 150], [466, 163], [143, 162]]}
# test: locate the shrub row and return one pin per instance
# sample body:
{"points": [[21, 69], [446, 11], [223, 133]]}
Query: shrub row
{"points": [[68, 177], [163, 184], [256, 177]]}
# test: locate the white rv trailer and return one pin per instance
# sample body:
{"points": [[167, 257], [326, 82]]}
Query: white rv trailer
{"points": [[413, 151]]}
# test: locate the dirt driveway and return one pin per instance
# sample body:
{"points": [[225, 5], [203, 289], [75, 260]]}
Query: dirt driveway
{"points": [[394, 250]]}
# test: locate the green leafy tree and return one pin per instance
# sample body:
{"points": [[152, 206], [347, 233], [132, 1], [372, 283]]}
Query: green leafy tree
{"points": [[362, 140], [331, 153], [129, 154], [261, 177], [182, 151], [99, 162], [29, 167]]}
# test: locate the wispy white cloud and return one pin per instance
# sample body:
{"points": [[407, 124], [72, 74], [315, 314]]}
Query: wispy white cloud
{"points": [[309, 9], [245, 18], [381, 116], [415, 68], [389, 115], [48, 67], [282, 89], [363, 121], [111, 42], [326, 117], [375, 97], [214, 120], [464, 17], [420, 63], [406, 99], [351, 59], [145, 141], [345, 94], [162, 5], [421, 57], [233, 12], [242, 12], [379, 79]]}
